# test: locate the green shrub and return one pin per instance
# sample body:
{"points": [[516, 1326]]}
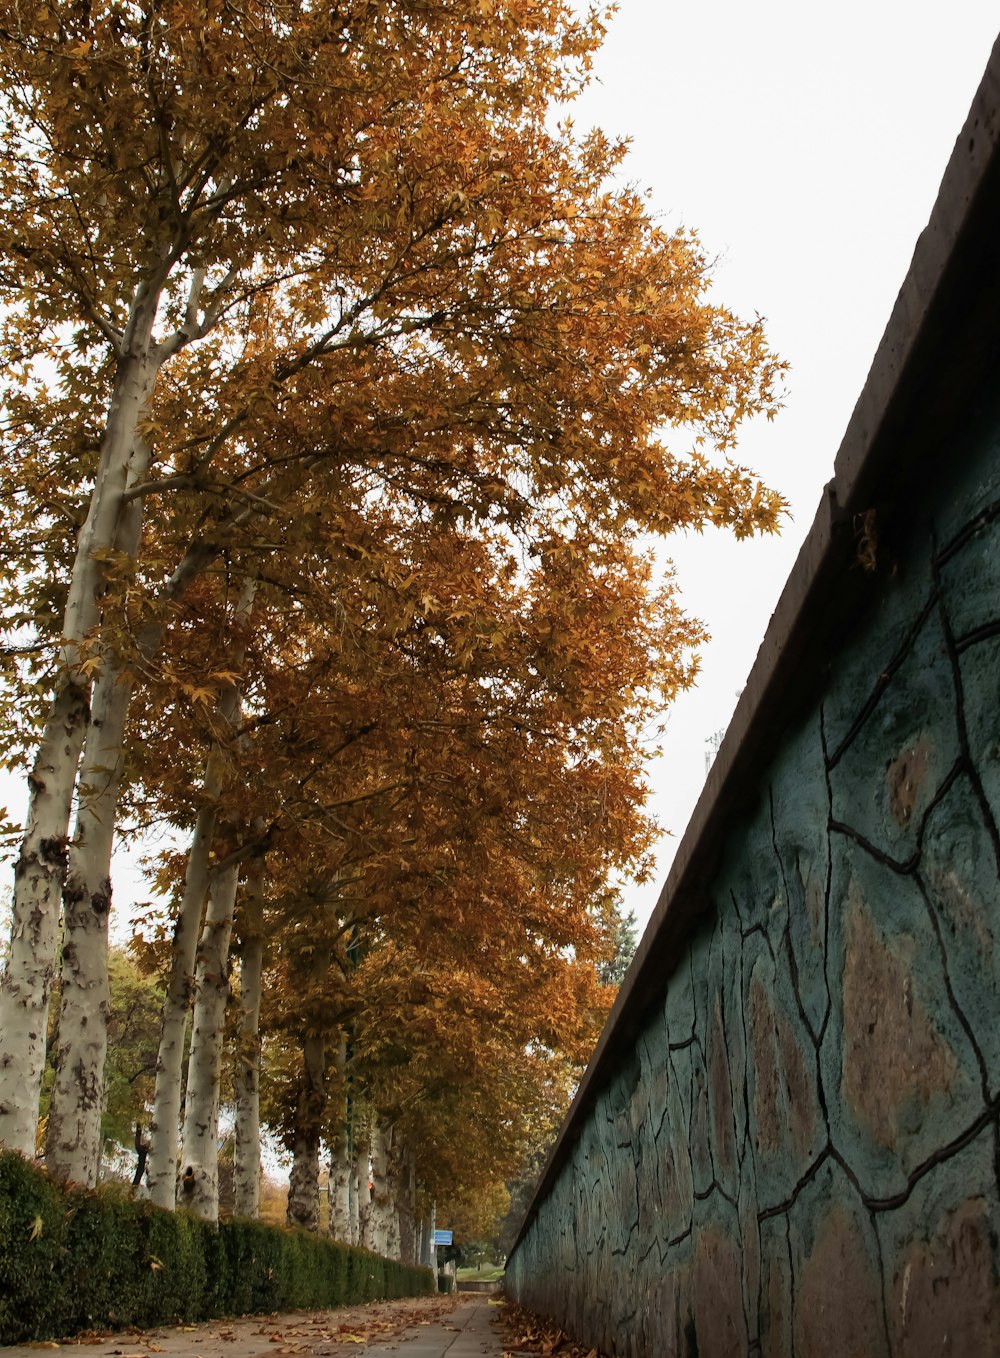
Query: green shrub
{"points": [[71, 1260]]}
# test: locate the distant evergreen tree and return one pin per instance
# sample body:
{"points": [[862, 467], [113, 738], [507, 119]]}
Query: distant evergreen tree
{"points": [[626, 940]]}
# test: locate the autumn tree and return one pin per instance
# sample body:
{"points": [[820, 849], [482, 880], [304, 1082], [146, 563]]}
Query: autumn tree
{"points": [[372, 265]]}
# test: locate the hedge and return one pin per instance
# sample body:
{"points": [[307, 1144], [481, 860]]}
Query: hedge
{"points": [[73, 1259]]}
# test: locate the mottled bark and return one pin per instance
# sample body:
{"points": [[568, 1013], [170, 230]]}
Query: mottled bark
{"points": [[381, 1204], [340, 1158], [362, 1172], [303, 1186], [199, 1179], [73, 1135], [246, 1078], [354, 1227], [406, 1207], [26, 983], [39, 873], [161, 1173], [163, 1154]]}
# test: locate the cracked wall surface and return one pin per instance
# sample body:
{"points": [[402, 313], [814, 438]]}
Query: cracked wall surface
{"points": [[801, 1155]]}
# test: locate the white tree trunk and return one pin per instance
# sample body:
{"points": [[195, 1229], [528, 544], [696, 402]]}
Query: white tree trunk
{"points": [[246, 1080], [362, 1169], [340, 1187], [199, 1180], [381, 1210], [340, 1159], [73, 1142], [161, 1171], [38, 875], [73, 1135], [429, 1257], [354, 1231], [393, 1244], [163, 1132], [303, 1185], [406, 1207]]}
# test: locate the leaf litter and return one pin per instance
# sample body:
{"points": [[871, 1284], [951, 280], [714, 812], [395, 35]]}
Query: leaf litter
{"points": [[527, 1335]]}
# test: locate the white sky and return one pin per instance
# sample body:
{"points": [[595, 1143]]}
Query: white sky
{"points": [[805, 144]]}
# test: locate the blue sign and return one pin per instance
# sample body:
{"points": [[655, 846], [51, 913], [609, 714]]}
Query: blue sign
{"points": [[443, 1237]]}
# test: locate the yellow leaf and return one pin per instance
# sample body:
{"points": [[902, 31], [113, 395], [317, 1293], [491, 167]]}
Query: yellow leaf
{"points": [[37, 1227]]}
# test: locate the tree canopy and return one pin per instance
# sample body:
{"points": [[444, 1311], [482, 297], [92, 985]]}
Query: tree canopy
{"points": [[344, 387]]}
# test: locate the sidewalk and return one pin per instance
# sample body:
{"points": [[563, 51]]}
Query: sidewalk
{"points": [[427, 1327], [469, 1332]]}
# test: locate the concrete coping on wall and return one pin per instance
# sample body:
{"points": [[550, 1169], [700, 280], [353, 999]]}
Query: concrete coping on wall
{"points": [[942, 337]]}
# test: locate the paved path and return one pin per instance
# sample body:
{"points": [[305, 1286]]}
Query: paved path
{"points": [[469, 1332], [426, 1327]]}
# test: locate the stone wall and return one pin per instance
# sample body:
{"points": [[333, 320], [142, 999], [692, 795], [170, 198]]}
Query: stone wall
{"points": [[790, 1144]]}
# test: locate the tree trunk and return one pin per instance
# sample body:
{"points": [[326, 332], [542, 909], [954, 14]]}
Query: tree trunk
{"points": [[73, 1144], [41, 865], [246, 1080], [362, 1169], [161, 1172], [73, 1136], [340, 1159], [430, 1258], [303, 1186], [354, 1232], [340, 1186], [380, 1204], [163, 1131], [199, 1181], [406, 1202], [38, 874], [394, 1189]]}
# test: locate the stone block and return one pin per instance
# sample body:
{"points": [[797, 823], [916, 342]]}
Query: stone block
{"points": [[666, 1324], [801, 812], [902, 752], [940, 1253], [774, 1323], [974, 470], [750, 1253], [748, 883], [678, 1003], [700, 1129], [899, 1073], [876, 641], [979, 666], [837, 1309], [720, 1323], [735, 1025], [786, 1122], [959, 874], [672, 1151], [717, 1061], [970, 583]]}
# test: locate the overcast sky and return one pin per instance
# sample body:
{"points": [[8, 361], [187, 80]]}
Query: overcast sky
{"points": [[805, 144]]}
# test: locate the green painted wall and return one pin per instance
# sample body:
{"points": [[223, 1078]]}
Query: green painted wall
{"points": [[801, 1155]]}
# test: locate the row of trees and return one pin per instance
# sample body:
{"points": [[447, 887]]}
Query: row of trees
{"points": [[340, 399]]}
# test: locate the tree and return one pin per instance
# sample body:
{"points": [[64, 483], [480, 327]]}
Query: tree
{"points": [[623, 938], [135, 1000], [372, 271]]}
